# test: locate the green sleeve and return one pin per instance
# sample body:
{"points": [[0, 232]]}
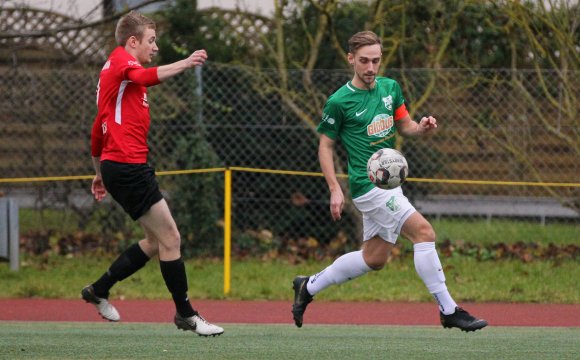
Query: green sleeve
{"points": [[399, 98], [332, 119]]}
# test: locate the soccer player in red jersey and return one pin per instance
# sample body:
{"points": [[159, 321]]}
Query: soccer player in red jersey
{"points": [[119, 153]]}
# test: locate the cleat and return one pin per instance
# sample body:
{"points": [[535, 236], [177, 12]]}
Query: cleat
{"points": [[463, 320], [105, 309], [301, 298], [197, 324]]}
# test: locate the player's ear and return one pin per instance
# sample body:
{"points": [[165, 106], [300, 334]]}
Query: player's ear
{"points": [[351, 58], [132, 41]]}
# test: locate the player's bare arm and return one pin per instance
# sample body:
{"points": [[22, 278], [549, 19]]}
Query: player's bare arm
{"points": [[97, 187], [197, 58], [326, 158], [409, 128]]}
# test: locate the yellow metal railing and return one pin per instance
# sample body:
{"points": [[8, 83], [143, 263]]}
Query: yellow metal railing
{"points": [[228, 194]]}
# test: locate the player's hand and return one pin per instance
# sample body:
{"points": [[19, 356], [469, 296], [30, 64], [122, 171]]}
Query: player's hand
{"points": [[197, 58], [336, 204], [427, 124], [98, 188]]}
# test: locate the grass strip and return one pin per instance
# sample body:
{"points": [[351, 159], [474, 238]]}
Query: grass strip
{"points": [[253, 279], [19, 340]]}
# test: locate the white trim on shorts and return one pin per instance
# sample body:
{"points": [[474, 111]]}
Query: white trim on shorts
{"points": [[384, 213]]}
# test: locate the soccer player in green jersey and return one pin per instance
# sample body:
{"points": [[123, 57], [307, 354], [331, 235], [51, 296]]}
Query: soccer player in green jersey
{"points": [[366, 114]]}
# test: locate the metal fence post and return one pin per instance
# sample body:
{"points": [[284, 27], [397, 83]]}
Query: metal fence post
{"points": [[9, 233], [3, 228], [13, 235]]}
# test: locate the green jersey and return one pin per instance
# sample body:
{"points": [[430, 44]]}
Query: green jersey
{"points": [[365, 122]]}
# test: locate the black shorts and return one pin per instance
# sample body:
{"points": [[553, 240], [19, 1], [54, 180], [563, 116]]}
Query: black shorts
{"points": [[133, 186]]}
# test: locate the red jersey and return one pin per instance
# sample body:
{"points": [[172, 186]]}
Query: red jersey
{"points": [[122, 122]]}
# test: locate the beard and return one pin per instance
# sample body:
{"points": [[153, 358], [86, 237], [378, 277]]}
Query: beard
{"points": [[367, 79]]}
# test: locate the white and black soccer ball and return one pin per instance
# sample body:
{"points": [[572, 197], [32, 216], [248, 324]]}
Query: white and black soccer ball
{"points": [[387, 168]]}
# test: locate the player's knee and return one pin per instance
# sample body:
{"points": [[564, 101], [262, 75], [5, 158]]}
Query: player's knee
{"points": [[376, 262], [175, 239], [425, 233], [150, 246], [149, 243], [376, 253], [377, 266], [171, 241]]}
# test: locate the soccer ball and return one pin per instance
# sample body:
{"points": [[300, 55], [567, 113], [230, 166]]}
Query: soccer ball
{"points": [[387, 168]]}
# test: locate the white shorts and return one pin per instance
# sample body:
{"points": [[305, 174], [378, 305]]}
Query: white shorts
{"points": [[384, 213]]}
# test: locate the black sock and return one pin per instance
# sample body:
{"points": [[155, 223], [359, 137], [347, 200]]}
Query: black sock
{"points": [[128, 263], [103, 285], [176, 280]]}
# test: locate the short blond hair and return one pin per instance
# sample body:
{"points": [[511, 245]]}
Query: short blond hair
{"points": [[132, 24], [363, 38]]}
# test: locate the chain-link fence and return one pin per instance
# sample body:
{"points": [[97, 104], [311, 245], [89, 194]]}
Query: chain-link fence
{"points": [[509, 129]]}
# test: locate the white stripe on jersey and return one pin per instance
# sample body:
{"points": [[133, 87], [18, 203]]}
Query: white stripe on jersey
{"points": [[119, 100]]}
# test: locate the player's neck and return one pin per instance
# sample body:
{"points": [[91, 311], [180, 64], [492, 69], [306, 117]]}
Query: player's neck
{"points": [[359, 84], [133, 52]]}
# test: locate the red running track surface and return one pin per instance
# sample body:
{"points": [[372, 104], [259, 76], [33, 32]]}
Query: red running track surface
{"points": [[278, 312]]}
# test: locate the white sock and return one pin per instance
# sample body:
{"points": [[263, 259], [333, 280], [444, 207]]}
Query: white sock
{"points": [[446, 304], [430, 271], [346, 267]]}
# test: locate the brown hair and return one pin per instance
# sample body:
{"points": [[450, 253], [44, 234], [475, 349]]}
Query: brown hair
{"points": [[363, 38], [132, 24]]}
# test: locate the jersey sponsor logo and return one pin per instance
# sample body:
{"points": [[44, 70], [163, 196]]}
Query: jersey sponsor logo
{"points": [[133, 63], [104, 127], [386, 138], [328, 119], [144, 99], [388, 102], [360, 113], [381, 125]]}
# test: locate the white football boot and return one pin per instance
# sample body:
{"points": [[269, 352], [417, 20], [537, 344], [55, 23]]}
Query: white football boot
{"points": [[197, 324], [105, 309]]}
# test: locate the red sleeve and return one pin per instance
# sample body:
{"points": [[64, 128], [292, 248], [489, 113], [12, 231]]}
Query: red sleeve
{"points": [[145, 77], [97, 138], [401, 112]]}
